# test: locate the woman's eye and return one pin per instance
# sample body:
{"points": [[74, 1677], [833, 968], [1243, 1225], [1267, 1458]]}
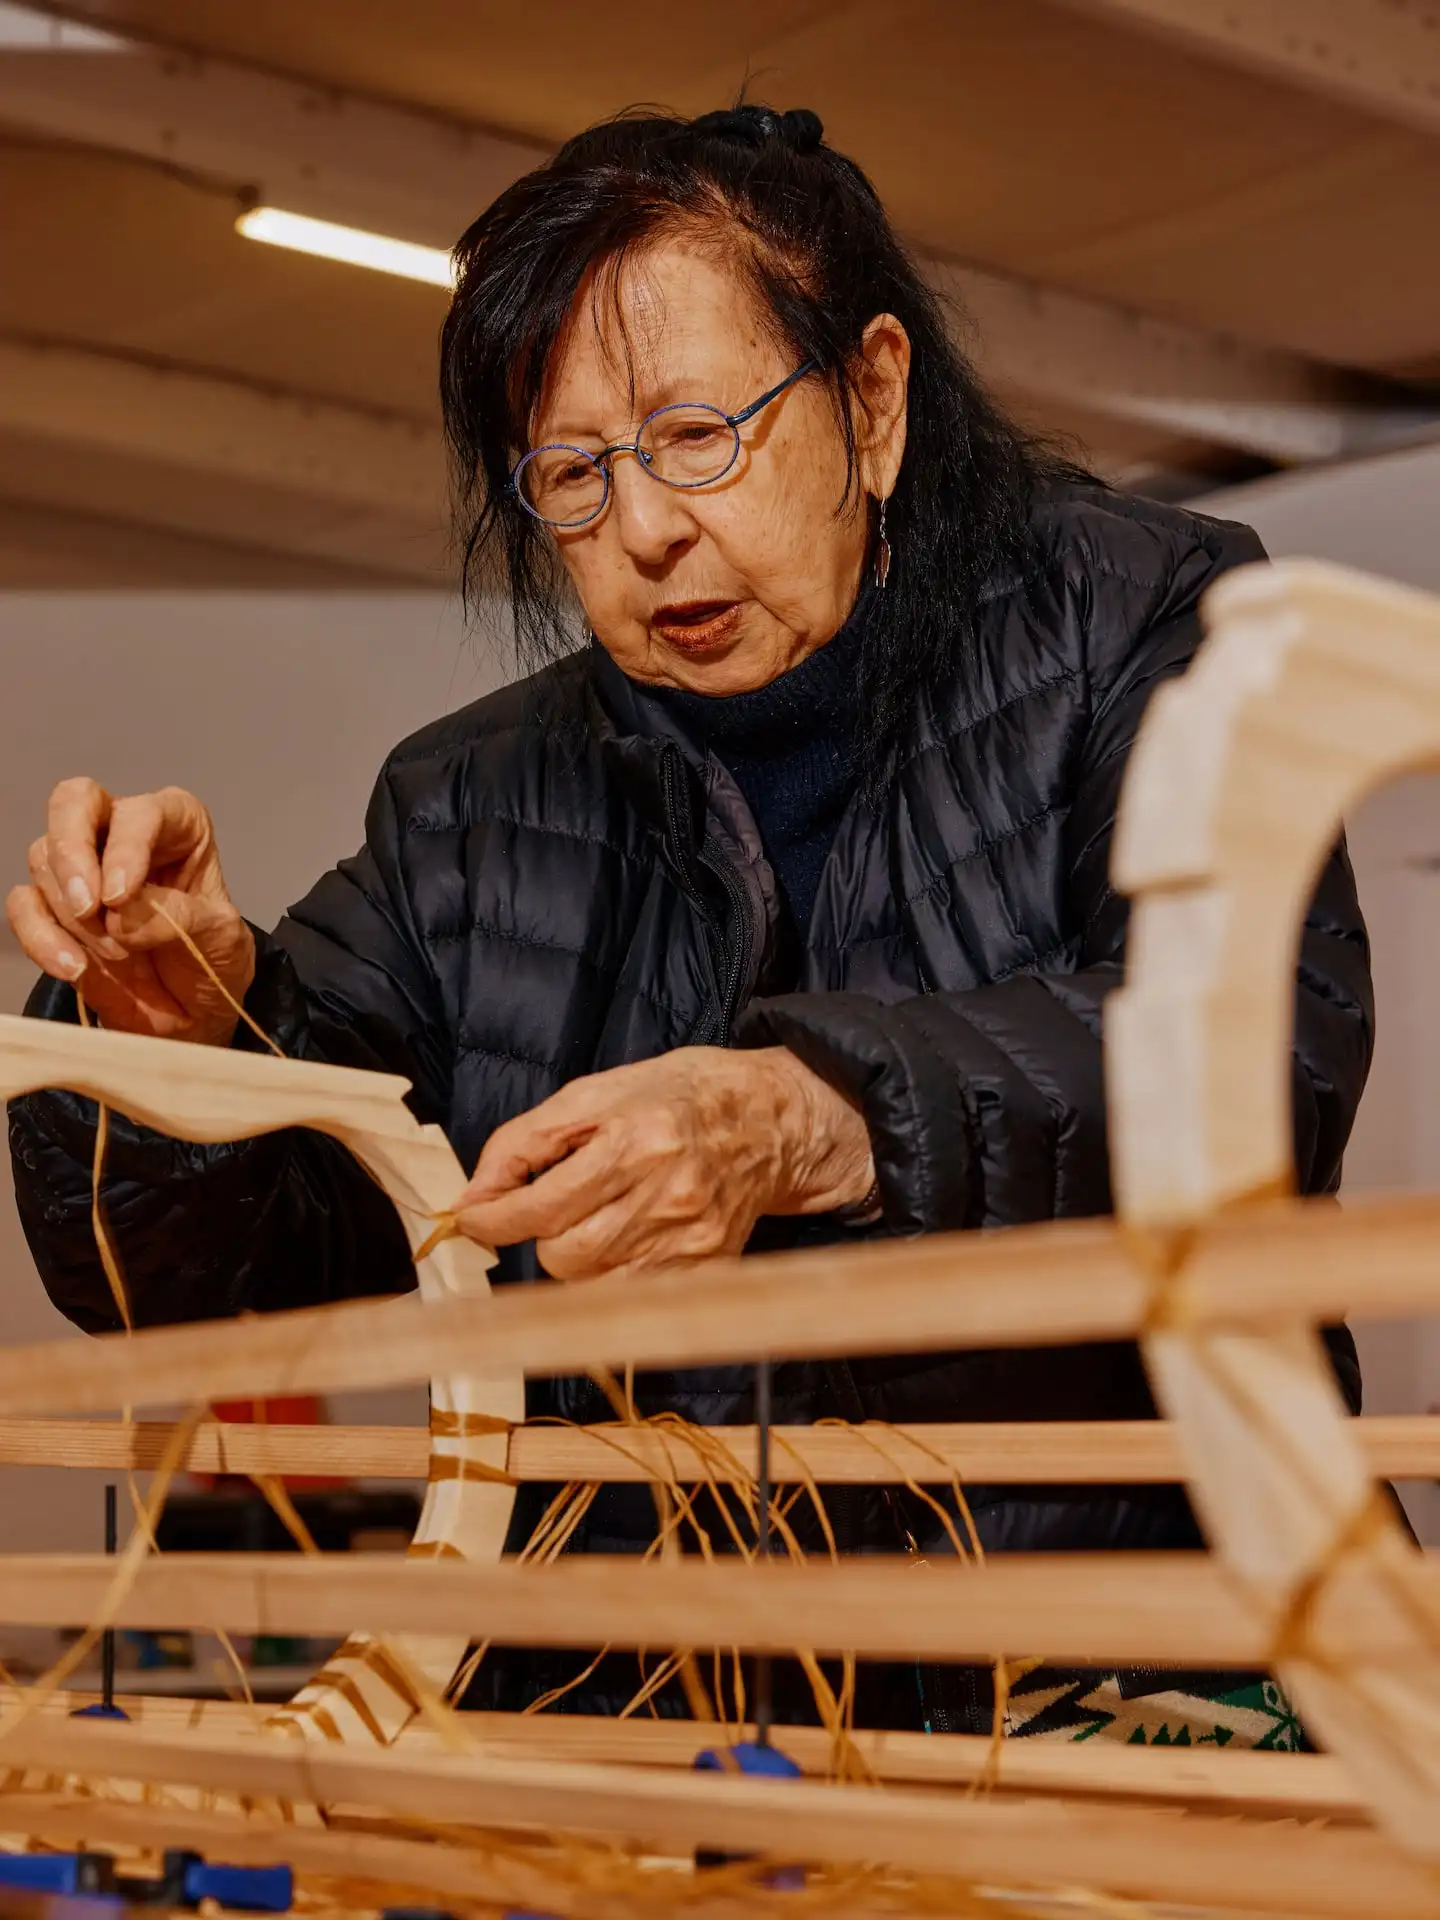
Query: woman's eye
{"points": [[560, 474], [681, 434]]}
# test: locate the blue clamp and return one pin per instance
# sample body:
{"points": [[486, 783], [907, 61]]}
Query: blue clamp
{"points": [[750, 1757], [62, 1873], [100, 1710], [762, 1762], [185, 1880], [244, 1889]]}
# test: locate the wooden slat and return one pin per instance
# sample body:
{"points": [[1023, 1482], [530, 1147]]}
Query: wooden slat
{"points": [[348, 1452], [1398, 1446], [1279, 1784], [1136, 1852], [1312, 1784], [1062, 1452], [1088, 1608], [1041, 1286]]}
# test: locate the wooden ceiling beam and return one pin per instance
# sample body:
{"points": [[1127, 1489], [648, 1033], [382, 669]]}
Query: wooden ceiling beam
{"points": [[1182, 380], [283, 473], [335, 156], [313, 150], [1382, 56]]}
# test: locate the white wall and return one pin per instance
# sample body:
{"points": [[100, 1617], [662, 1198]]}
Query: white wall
{"points": [[1381, 515], [278, 710]]}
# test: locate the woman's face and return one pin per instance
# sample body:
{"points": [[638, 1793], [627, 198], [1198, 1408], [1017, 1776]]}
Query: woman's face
{"points": [[721, 589]]}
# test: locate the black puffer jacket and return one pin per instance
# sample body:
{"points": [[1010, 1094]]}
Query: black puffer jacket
{"points": [[530, 906]]}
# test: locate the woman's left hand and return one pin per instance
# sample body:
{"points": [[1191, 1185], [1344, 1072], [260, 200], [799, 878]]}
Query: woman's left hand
{"points": [[669, 1161]]}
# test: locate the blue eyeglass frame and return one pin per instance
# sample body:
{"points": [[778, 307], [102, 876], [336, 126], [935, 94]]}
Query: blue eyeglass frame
{"points": [[604, 458]]}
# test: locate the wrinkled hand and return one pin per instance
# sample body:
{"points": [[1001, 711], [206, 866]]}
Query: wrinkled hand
{"points": [[666, 1162], [98, 875]]}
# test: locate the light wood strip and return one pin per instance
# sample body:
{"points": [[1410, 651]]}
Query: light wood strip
{"points": [[1128, 1851], [1047, 1285], [1279, 1784], [1089, 1608], [1401, 1446], [1311, 1784], [343, 1452]]}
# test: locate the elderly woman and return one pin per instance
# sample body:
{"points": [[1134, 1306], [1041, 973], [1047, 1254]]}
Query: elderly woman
{"points": [[777, 911]]}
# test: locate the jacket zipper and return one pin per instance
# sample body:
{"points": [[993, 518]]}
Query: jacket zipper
{"points": [[739, 905], [735, 957]]}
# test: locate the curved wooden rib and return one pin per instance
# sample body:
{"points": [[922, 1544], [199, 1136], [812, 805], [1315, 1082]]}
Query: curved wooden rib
{"points": [[203, 1094], [1315, 686]]}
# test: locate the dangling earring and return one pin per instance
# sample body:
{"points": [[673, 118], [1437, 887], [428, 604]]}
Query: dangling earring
{"points": [[882, 553]]}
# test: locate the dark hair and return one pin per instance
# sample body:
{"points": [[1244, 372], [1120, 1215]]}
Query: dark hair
{"points": [[820, 255]]}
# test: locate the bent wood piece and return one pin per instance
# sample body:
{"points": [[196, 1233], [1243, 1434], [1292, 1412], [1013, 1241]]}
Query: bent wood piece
{"points": [[1087, 1609], [1036, 1286], [1047, 1452], [1129, 1850], [1267, 1785], [1314, 686], [209, 1095]]}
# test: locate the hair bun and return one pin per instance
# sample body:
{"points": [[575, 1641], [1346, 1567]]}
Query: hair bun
{"points": [[799, 128], [802, 129]]}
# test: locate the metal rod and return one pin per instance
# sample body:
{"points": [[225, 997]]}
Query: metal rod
{"points": [[764, 1676], [107, 1639]]}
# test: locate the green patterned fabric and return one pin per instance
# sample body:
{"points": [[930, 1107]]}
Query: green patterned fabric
{"points": [[1237, 1710]]}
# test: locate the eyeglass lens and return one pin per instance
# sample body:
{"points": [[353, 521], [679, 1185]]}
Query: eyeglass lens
{"points": [[684, 446]]}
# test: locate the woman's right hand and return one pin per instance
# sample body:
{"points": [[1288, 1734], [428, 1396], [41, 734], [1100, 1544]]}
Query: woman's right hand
{"points": [[99, 875]]}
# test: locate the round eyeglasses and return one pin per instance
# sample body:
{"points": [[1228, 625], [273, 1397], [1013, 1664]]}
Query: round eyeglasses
{"points": [[681, 445]]}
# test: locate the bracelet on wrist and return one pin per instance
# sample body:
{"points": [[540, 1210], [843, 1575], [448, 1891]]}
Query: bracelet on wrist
{"points": [[865, 1211]]}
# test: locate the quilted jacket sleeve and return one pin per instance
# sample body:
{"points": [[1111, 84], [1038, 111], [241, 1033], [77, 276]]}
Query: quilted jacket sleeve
{"points": [[986, 1108], [286, 1220]]}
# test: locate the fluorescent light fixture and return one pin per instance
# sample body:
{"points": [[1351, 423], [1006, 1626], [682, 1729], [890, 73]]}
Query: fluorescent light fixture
{"points": [[353, 245]]}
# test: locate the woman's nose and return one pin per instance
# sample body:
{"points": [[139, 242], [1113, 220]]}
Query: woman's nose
{"points": [[651, 518]]}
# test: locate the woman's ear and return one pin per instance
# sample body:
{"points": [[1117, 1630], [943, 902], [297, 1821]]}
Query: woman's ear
{"points": [[882, 379]]}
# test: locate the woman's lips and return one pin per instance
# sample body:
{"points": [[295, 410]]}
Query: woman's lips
{"points": [[697, 626]]}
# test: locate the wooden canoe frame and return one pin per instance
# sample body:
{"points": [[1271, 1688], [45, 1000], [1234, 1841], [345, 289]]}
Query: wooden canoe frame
{"points": [[1314, 687]]}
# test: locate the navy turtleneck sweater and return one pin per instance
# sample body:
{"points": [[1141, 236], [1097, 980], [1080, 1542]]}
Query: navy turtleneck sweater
{"points": [[791, 748]]}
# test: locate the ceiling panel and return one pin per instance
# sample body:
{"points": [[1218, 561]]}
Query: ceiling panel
{"points": [[116, 254], [537, 69], [1006, 132], [108, 485]]}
